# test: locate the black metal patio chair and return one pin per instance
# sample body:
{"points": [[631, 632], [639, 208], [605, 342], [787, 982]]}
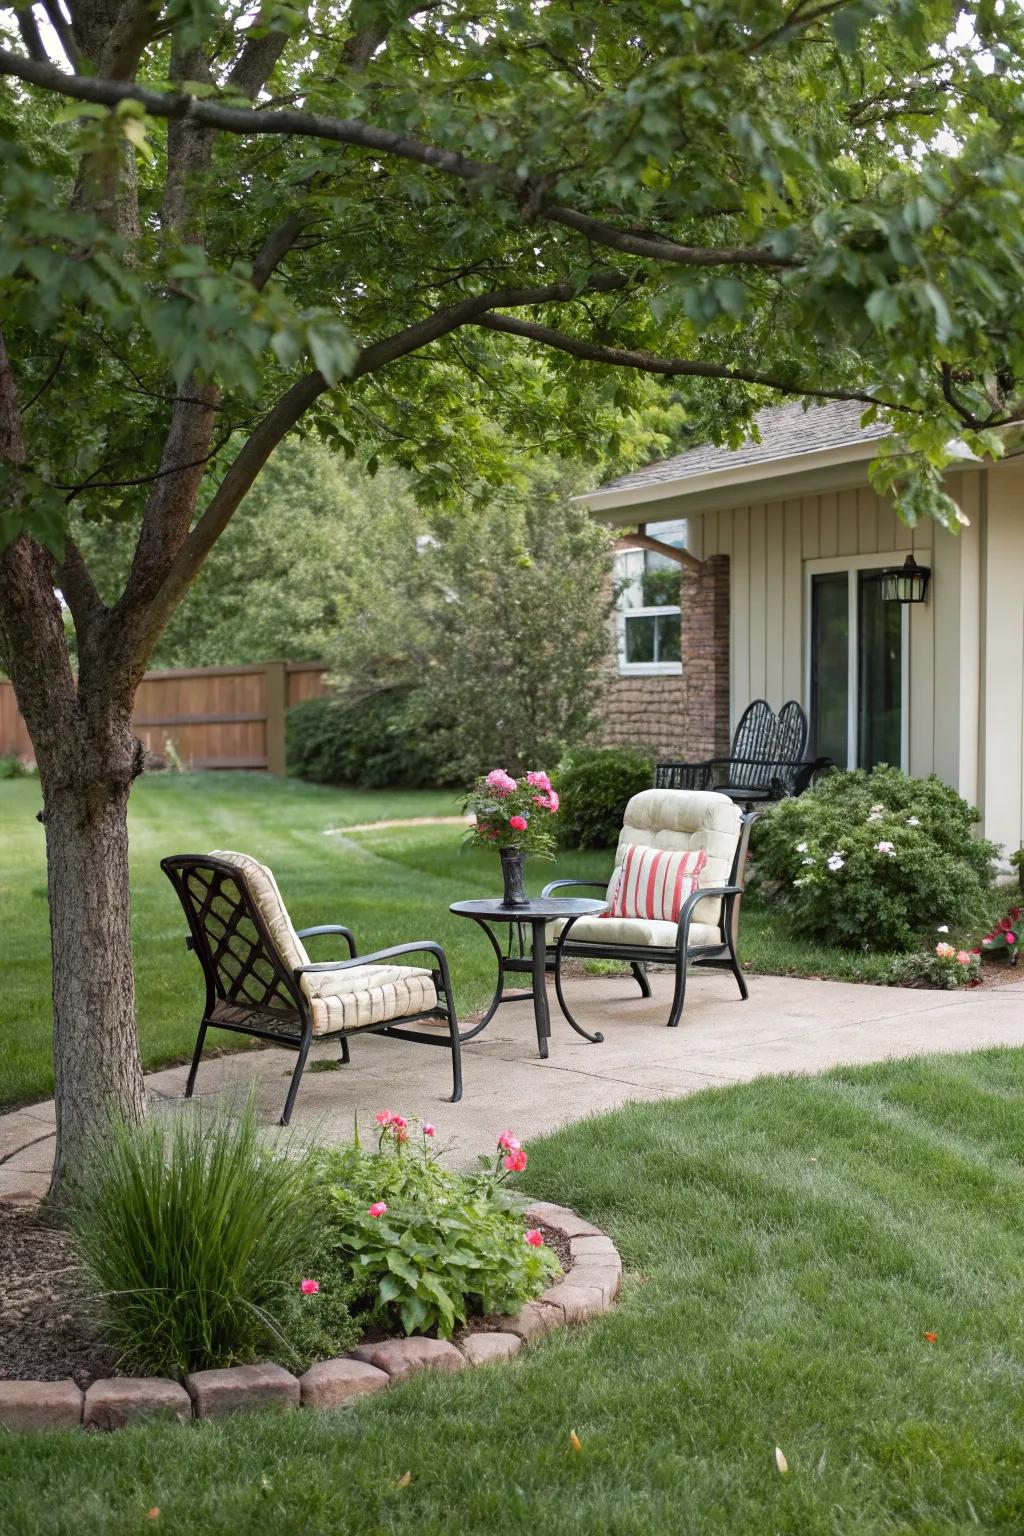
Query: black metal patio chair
{"points": [[260, 981], [766, 761], [707, 930]]}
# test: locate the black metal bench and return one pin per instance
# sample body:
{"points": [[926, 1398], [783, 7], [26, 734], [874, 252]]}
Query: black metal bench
{"points": [[766, 762]]}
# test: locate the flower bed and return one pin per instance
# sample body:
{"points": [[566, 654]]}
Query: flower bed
{"points": [[199, 1253], [115, 1402]]}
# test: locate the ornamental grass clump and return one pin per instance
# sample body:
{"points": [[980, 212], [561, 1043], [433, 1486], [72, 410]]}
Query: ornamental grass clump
{"points": [[425, 1248], [196, 1237], [875, 860]]}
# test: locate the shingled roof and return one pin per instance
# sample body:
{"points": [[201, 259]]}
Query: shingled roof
{"points": [[786, 431]]}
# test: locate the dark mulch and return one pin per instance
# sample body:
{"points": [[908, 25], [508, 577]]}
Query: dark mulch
{"points": [[48, 1330], [48, 1326]]}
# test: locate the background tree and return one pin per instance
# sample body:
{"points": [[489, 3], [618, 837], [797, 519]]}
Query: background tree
{"points": [[362, 218], [480, 639]]}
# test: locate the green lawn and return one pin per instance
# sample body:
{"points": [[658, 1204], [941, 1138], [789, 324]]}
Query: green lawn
{"points": [[387, 886], [788, 1244]]}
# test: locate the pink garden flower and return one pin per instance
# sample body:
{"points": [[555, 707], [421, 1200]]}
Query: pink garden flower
{"points": [[378, 1208], [538, 780], [398, 1122], [383, 1117], [518, 823], [535, 1238], [945, 951], [515, 1162], [509, 1142], [1011, 938], [885, 847], [429, 1130], [501, 783], [310, 1287], [963, 957]]}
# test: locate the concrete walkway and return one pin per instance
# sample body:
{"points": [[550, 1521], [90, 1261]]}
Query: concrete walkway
{"points": [[787, 1026]]}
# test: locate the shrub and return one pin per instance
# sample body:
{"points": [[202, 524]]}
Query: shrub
{"points": [[12, 767], [197, 1237], [335, 741], [942, 967], [595, 784], [875, 860], [425, 1246]]}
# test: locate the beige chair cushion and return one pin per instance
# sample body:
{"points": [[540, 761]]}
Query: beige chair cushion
{"points": [[683, 818], [635, 930], [342, 999]]}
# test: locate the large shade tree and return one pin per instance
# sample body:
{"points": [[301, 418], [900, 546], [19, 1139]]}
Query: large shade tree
{"points": [[221, 223]]}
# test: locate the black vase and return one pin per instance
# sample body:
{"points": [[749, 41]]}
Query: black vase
{"points": [[513, 863]]}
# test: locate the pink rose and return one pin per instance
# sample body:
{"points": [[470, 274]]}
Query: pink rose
{"points": [[516, 1161], [945, 951], [383, 1117], [553, 801], [429, 1130], [518, 823], [399, 1122], [535, 1238], [538, 780], [501, 783], [509, 1142], [310, 1287], [378, 1208], [1011, 938], [963, 957]]}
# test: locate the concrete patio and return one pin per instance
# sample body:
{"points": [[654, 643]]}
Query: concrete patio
{"points": [[787, 1026]]}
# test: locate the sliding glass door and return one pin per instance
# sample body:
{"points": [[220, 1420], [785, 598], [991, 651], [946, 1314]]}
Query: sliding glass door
{"points": [[857, 668]]}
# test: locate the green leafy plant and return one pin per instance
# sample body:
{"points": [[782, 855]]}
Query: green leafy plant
{"points": [[197, 1237], [875, 860], [595, 784], [12, 767], [1017, 860], [943, 967], [369, 743], [428, 1247]]}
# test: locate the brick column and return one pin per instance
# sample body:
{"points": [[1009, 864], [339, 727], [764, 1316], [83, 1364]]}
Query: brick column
{"points": [[704, 600]]}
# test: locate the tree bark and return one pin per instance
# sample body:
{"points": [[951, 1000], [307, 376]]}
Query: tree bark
{"points": [[97, 1067]]}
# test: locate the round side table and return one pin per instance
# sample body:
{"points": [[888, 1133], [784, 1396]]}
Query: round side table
{"points": [[518, 959]]}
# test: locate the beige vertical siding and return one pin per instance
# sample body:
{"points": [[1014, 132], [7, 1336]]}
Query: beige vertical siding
{"points": [[1002, 730], [768, 545]]}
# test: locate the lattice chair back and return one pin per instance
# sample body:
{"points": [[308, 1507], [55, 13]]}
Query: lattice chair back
{"points": [[245, 942], [755, 744]]}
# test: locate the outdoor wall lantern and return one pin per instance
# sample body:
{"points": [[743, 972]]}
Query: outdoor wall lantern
{"points": [[906, 583]]}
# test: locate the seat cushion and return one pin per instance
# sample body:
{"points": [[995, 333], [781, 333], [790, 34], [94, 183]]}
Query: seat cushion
{"points": [[634, 930], [366, 994]]}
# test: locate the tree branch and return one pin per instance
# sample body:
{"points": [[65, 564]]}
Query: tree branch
{"points": [[671, 367], [244, 120]]}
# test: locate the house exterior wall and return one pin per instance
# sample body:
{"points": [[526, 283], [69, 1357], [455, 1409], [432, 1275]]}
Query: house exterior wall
{"points": [[1001, 732], [685, 716]]}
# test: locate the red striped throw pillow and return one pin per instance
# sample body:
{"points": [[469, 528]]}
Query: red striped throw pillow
{"points": [[654, 883]]}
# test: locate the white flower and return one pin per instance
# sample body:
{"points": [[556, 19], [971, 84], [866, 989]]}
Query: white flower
{"points": [[800, 882], [808, 861], [801, 847], [913, 821], [880, 808], [874, 815], [943, 928], [836, 862], [889, 848]]}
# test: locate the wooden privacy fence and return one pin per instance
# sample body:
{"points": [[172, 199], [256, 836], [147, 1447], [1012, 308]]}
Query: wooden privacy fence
{"points": [[214, 717]]}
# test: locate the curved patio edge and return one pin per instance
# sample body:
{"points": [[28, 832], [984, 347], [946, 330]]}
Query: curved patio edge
{"points": [[590, 1287]]}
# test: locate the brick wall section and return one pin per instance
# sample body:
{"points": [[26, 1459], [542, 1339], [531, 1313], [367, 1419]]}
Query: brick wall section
{"points": [[683, 717]]}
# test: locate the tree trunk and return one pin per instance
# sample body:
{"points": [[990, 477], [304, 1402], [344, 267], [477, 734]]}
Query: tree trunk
{"points": [[97, 1068]]}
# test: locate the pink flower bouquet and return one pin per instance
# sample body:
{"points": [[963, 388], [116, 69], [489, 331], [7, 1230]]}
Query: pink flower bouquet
{"points": [[513, 813]]}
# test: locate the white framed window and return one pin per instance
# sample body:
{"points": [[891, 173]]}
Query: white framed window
{"points": [[648, 615]]}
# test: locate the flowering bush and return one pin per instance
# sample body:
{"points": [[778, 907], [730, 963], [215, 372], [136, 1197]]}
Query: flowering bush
{"points": [[943, 966], [513, 813], [1006, 935], [875, 860], [426, 1246]]}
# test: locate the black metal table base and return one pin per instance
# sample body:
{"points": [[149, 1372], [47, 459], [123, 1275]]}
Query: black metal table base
{"points": [[518, 960]]}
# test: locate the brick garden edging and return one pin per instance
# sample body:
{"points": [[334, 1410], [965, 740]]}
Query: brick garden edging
{"points": [[590, 1287]]}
